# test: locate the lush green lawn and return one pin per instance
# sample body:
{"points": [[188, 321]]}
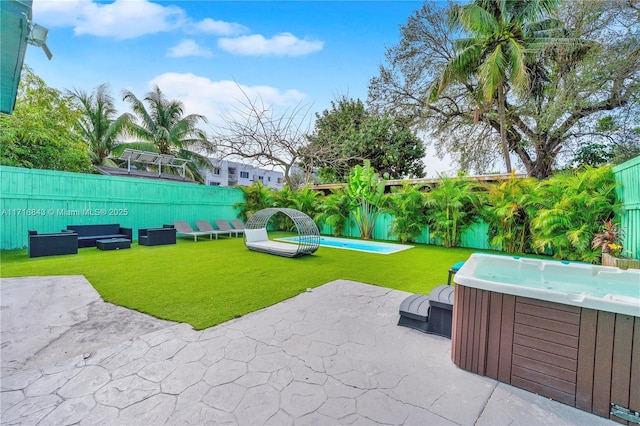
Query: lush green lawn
{"points": [[209, 282]]}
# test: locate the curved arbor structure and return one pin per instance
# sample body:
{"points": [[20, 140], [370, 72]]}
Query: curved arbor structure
{"points": [[255, 235]]}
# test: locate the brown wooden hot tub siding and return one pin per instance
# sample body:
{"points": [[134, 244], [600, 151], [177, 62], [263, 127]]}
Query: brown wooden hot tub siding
{"points": [[581, 357]]}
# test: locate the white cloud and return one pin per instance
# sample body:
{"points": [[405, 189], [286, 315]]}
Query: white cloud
{"points": [[221, 28], [284, 44], [217, 99], [122, 19], [188, 48]]}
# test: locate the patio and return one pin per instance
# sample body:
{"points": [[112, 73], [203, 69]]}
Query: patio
{"points": [[332, 355]]}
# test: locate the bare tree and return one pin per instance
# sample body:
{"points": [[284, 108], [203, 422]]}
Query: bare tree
{"points": [[256, 132]]}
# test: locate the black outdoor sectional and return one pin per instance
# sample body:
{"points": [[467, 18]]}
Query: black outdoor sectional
{"points": [[157, 236], [52, 244], [89, 234]]}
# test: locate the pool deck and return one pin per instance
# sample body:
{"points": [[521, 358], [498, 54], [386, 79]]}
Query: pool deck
{"points": [[333, 355]]}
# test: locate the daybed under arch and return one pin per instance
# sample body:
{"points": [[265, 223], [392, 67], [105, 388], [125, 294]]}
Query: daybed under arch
{"points": [[256, 238]]}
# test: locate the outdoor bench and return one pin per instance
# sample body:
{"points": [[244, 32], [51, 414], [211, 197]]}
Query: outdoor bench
{"points": [[52, 244], [89, 234], [157, 236]]}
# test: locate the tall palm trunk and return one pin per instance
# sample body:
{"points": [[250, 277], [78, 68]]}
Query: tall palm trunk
{"points": [[503, 128]]}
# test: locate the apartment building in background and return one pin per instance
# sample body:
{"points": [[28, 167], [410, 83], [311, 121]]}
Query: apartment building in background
{"points": [[231, 173]]}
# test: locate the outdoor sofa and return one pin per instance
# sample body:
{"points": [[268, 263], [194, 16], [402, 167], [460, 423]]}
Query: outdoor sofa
{"points": [[52, 244], [89, 234], [157, 236]]}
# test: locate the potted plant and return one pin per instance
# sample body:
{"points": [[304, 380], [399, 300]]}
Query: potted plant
{"points": [[610, 242]]}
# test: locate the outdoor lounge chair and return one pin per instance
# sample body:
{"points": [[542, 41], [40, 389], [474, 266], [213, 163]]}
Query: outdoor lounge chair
{"points": [[183, 228], [223, 225], [205, 226], [258, 240], [237, 224]]}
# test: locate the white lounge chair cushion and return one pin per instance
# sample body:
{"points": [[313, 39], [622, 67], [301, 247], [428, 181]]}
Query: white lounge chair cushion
{"points": [[256, 235]]}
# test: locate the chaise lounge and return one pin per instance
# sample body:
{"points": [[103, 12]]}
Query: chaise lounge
{"points": [[205, 226], [258, 240], [223, 225], [183, 228]]}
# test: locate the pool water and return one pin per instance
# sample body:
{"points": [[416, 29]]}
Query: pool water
{"points": [[357, 245]]}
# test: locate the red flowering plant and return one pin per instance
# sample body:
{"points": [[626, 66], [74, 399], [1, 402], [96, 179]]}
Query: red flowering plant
{"points": [[610, 239]]}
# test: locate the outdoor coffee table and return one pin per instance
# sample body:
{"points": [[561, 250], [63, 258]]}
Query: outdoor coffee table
{"points": [[113, 244]]}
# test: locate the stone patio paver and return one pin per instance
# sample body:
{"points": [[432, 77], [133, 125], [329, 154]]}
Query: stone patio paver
{"points": [[333, 355]]}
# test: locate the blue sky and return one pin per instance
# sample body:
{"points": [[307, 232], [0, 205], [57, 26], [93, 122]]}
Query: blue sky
{"points": [[205, 53]]}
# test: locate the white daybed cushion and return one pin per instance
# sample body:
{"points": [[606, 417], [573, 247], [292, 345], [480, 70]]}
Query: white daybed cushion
{"points": [[270, 246], [255, 235]]}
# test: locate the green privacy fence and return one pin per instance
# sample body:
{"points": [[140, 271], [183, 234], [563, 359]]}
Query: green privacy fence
{"points": [[475, 237], [628, 175], [48, 201]]}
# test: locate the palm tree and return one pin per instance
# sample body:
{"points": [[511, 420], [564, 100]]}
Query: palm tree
{"points": [[161, 127], [571, 207], [407, 206], [504, 34], [98, 124], [256, 197], [508, 211], [334, 212], [453, 206]]}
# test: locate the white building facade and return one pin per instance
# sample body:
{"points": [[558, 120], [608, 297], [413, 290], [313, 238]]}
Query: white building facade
{"points": [[231, 173]]}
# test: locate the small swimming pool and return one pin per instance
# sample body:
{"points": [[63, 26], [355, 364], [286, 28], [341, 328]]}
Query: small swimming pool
{"points": [[357, 245]]}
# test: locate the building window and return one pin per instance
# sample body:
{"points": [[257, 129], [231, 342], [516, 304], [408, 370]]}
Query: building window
{"points": [[269, 178], [214, 183], [244, 175], [279, 180], [261, 178], [216, 171]]}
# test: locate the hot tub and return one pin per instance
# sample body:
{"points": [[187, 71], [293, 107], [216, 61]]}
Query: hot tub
{"points": [[568, 331]]}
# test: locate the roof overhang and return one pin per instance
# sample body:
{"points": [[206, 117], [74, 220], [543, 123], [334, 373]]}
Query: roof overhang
{"points": [[15, 16]]}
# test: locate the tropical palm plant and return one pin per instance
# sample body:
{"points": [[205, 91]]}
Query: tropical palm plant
{"points": [[98, 124], [303, 199], [453, 206], [365, 191], [334, 211], [256, 197], [504, 37], [571, 208], [161, 127], [407, 206], [508, 212]]}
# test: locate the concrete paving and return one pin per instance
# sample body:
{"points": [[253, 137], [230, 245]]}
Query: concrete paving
{"points": [[333, 355]]}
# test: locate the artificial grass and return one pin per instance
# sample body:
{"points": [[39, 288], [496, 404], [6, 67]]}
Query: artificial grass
{"points": [[207, 282]]}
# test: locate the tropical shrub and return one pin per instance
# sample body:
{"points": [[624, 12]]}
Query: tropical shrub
{"points": [[365, 191], [334, 211], [303, 199], [256, 197], [453, 206], [508, 212], [407, 206], [571, 207]]}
